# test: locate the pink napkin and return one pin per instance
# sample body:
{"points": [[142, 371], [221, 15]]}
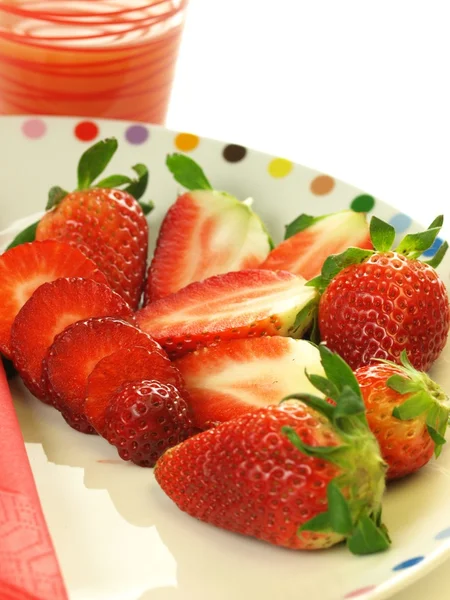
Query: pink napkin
{"points": [[29, 568]]}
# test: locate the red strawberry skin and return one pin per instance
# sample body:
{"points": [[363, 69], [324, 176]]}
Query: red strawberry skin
{"points": [[74, 354], [406, 446], [53, 307], [118, 368], [382, 306], [144, 419], [27, 266], [109, 227], [249, 303]]}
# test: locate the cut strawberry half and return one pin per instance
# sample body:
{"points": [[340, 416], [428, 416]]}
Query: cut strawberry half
{"points": [[24, 268], [310, 240], [250, 303], [122, 367], [204, 233], [51, 308], [233, 377], [75, 353]]}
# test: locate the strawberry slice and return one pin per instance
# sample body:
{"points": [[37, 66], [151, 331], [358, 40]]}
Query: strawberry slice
{"points": [[310, 240], [250, 303], [122, 367], [24, 268], [74, 354], [228, 380], [204, 233], [51, 308]]}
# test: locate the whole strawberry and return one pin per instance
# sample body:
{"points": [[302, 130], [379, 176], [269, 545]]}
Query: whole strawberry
{"points": [[303, 474], [375, 304], [407, 412], [107, 224], [144, 418]]}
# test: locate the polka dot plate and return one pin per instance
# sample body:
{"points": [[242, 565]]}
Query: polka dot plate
{"points": [[117, 536]]}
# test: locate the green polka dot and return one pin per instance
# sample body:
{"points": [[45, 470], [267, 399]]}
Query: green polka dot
{"points": [[363, 203]]}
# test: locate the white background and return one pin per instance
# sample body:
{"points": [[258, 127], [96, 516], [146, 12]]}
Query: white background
{"points": [[355, 88]]}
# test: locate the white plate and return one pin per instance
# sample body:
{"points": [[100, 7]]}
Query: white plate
{"points": [[116, 534]]}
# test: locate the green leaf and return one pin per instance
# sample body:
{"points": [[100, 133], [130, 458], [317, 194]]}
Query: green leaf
{"points": [[382, 234], [336, 262], [147, 207], [437, 438], [438, 222], [319, 523], [304, 318], [26, 235], [316, 451], [349, 404], [415, 244], [314, 402], [338, 371], [55, 195], [402, 385], [324, 385], [413, 407], [138, 186], [437, 421], [368, 537], [338, 510], [187, 172], [437, 258], [301, 223], [94, 161], [113, 181]]}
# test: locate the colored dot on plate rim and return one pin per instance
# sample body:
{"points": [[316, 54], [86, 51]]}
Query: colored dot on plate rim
{"points": [[137, 134], [400, 222], [360, 591], [322, 184], [234, 153], [34, 128], [434, 248], [406, 564], [444, 534], [186, 141], [280, 167], [363, 203], [86, 131]]}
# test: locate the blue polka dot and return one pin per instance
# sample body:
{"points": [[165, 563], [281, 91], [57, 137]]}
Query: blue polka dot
{"points": [[442, 535], [406, 564], [434, 248], [400, 222]]}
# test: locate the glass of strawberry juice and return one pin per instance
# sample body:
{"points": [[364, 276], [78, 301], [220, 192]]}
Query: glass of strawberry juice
{"points": [[97, 58]]}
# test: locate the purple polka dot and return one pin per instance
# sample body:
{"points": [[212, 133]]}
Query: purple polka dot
{"points": [[34, 128], [406, 564], [360, 592], [137, 134]]}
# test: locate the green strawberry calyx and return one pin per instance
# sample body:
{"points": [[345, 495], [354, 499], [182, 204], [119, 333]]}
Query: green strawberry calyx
{"points": [[382, 235], [91, 165], [354, 496], [424, 398]]}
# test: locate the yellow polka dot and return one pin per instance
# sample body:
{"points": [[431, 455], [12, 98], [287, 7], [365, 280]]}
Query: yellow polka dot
{"points": [[322, 184], [280, 167], [186, 141]]}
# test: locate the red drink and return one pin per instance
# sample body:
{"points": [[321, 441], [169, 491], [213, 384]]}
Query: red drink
{"points": [[98, 58]]}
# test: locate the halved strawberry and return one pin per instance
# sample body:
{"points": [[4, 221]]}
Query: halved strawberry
{"points": [[249, 303], [124, 366], [228, 380], [310, 240], [51, 308], [204, 233], [74, 354], [24, 268]]}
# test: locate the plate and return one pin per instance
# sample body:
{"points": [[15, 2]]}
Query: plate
{"points": [[116, 534]]}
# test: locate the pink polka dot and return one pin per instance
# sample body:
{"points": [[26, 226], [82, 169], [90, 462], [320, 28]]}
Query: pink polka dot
{"points": [[360, 592], [34, 128]]}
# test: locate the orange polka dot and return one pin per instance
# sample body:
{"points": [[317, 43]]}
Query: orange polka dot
{"points": [[186, 141], [322, 184]]}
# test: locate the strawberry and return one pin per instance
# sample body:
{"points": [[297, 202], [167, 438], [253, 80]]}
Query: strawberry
{"points": [[407, 412], [107, 224], [121, 367], [310, 240], [303, 475], [204, 233], [228, 380], [24, 268], [52, 307], [375, 304], [74, 354], [249, 303], [144, 418]]}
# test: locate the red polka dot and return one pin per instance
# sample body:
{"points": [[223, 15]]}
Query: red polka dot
{"points": [[86, 131]]}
